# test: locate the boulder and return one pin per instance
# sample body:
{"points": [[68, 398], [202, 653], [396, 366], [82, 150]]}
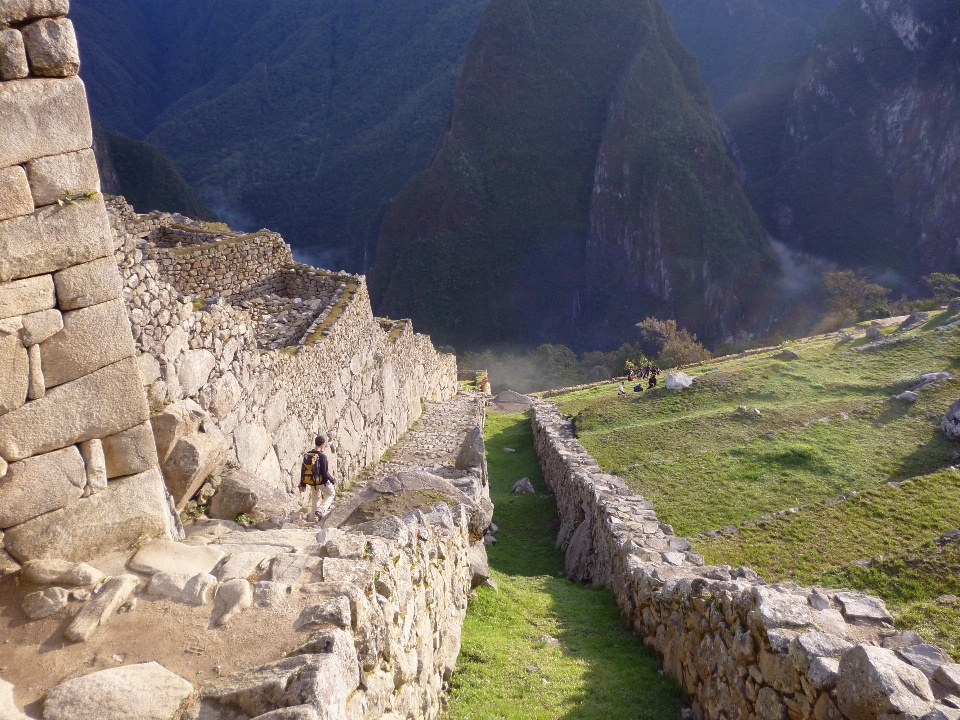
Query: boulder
{"points": [[165, 556], [245, 565], [873, 332], [191, 461], [289, 569], [92, 337], [221, 396], [9, 710], [472, 451], [948, 675], [951, 422], [46, 602], [146, 691], [128, 510], [51, 178], [926, 658], [232, 498], [232, 597], [41, 484], [523, 486], [131, 451], [116, 591], [52, 47], [273, 500], [175, 421], [182, 588], [873, 683], [60, 572], [195, 368], [913, 320], [864, 608], [103, 403], [479, 567], [787, 355], [908, 396], [677, 381]]}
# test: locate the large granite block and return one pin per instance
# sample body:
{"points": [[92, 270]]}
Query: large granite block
{"points": [[131, 451], [13, 55], [92, 338], [92, 526], [52, 47], [14, 11], [29, 295], [14, 373], [41, 484], [54, 238], [15, 197], [56, 176], [103, 403], [42, 116], [88, 284]]}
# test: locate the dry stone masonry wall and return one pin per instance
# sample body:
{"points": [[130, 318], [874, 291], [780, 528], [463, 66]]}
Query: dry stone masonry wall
{"points": [[741, 648], [78, 472]]}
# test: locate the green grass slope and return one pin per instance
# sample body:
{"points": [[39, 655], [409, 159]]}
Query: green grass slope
{"points": [[823, 480], [598, 671]]}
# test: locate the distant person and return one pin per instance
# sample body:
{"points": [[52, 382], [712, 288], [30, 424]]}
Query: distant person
{"points": [[620, 391], [653, 382], [646, 370], [638, 387], [629, 375], [315, 473]]}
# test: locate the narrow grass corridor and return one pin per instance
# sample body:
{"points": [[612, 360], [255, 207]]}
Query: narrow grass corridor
{"points": [[509, 667]]}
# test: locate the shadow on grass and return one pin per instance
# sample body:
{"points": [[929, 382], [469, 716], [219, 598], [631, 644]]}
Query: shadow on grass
{"points": [[599, 670]]}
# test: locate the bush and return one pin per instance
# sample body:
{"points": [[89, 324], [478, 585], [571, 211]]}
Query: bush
{"points": [[852, 293], [674, 345], [943, 286]]}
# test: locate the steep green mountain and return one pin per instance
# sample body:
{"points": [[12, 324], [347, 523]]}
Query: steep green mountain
{"points": [[734, 40], [144, 176], [852, 153], [305, 116], [579, 185]]}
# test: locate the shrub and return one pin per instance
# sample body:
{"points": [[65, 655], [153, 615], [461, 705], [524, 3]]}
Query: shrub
{"points": [[943, 286], [674, 345]]}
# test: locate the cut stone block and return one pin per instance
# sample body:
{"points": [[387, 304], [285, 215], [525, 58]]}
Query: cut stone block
{"points": [[192, 460], [171, 424], [52, 47], [36, 387], [60, 572], [14, 11], [54, 238], [29, 295], [40, 484], [103, 403], [92, 452], [165, 556], [116, 591], [15, 198], [130, 452], [147, 691], [13, 55], [88, 284], [41, 326], [14, 375], [92, 338], [129, 509], [40, 116], [56, 176]]}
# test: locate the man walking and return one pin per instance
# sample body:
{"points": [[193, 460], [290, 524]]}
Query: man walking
{"points": [[315, 473]]}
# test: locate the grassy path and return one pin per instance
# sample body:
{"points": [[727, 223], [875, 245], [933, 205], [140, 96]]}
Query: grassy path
{"points": [[599, 670]]}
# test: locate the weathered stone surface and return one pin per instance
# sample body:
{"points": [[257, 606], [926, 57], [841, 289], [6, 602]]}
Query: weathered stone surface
{"points": [[231, 499], [40, 484], [221, 396], [332, 612], [149, 368], [873, 683], [103, 403], [15, 198], [926, 658], [787, 355], [29, 295], [948, 675], [289, 569], [243, 565], [53, 238], [89, 283], [172, 423], [297, 712], [92, 338], [40, 326], [168, 585], [116, 591], [252, 443], [272, 498], [55, 177], [8, 566], [355, 572], [165, 556], [578, 553], [14, 11], [147, 691], [195, 368], [60, 572], [13, 55], [96, 464], [9, 710], [14, 373], [523, 486], [677, 381], [192, 459], [46, 602], [472, 452], [479, 567], [950, 423], [36, 385], [268, 594], [908, 396], [130, 452], [864, 608], [200, 589], [52, 47], [95, 525], [232, 598]]}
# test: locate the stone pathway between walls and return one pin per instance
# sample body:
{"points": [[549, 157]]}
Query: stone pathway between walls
{"points": [[363, 617]]}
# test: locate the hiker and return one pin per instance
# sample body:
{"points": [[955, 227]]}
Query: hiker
{"points": [[620, 391], [314, 473]]}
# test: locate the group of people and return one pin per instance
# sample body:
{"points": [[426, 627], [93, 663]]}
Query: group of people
{"points": [[648, 372]]}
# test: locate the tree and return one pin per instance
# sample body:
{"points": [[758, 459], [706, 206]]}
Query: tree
{"points": [[674, 345], [852, 292], [943, 286]]}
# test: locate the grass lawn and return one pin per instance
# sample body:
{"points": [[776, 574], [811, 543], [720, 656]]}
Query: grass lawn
{"points": [[826, 426], [599, 670]]}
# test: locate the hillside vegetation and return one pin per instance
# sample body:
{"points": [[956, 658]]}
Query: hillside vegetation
{"points": [[805, 470]]}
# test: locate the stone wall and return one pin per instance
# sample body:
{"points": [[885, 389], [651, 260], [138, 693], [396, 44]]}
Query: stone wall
{"points": [[78, 472], [330, 367], [740, 648]]}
